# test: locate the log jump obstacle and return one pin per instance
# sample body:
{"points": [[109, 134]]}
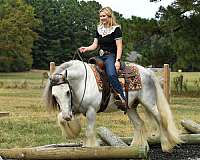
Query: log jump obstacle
{"points": [[120, 149]]}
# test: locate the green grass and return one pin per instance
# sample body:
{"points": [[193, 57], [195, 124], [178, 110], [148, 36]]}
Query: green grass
{"points": [[190, 77], [28, 131], [191, 83], [29, 124], [30, 75]]}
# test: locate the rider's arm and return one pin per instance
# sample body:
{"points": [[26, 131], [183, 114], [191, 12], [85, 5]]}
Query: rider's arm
{"points": [[119, 48], [92, 47]]}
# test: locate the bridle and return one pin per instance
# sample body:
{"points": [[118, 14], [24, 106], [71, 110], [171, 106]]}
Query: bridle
{"points": [[58, 79]]}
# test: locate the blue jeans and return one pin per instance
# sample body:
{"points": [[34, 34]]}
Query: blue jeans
{"points": [[109, 62]]}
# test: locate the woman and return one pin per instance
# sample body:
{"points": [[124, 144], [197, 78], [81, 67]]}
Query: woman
{"points": [[109, 40]]}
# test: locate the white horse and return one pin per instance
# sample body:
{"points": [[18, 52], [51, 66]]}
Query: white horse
{"points": [[73, 90]]}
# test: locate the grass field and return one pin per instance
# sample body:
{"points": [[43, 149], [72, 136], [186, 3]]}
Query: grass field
{"points": [[30, 125]]}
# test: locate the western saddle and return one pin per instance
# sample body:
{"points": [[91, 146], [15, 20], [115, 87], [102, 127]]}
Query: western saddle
{"points": [[124, 72]]}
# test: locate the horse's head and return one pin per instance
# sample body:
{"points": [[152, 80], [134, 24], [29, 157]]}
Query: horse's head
{"points": [[61, 91]]}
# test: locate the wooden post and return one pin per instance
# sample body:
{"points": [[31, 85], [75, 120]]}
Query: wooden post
{"points": [[166, 84], [52, 67]]}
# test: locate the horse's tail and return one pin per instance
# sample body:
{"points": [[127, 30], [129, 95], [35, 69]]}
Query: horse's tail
{"points": [[169, 134], [70, 129]]}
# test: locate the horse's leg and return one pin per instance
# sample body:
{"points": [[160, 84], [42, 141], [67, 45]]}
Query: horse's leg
{"points": [[155, 102], [153, 116], [90, 140], [140, 137], [149, 102], [152, 109], [167, 142], [66, 132]]}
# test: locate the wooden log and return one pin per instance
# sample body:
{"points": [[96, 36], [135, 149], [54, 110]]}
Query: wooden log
{"points": [[52, 67], [191, 126], [61, 145], [104, 152], [191, 138], [3, 114], [110, 138], [186, 138], [128, 140]]}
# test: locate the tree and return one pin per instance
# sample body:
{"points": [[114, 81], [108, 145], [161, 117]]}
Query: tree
{"points": [[66, 26], [16, 39], [173, 37], [181, 21]]}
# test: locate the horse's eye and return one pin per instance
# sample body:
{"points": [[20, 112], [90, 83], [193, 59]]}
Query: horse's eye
{"points": [[68, 93]]}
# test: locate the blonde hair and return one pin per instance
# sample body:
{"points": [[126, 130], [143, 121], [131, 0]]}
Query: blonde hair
{"points": [[108, 11]]}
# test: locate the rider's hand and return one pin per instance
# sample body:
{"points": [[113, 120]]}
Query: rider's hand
{"points": [[117, 65], [83, 49]]}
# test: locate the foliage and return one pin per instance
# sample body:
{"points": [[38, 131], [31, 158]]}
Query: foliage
{"points": [[172, 37], [66, 26], [16, 39], [180, 23]]}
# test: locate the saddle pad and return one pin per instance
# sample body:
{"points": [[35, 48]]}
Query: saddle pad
{"points": [[134, 79]]}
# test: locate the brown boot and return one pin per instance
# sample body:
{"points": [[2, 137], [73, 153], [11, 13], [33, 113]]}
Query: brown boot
{"points": [[121, 103]]}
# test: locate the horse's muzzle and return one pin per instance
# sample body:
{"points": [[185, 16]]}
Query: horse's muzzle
{"points": [[67, 116]]}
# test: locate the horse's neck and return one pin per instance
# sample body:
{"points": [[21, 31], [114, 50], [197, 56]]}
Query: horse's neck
{"points": [[84, 84], [76, 76], [80, 76]]}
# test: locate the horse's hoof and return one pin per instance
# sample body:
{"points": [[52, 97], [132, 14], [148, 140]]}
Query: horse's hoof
{"points": [[91, 144]]}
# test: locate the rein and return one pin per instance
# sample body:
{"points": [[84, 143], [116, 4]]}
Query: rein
{"points": [[77, 52]]}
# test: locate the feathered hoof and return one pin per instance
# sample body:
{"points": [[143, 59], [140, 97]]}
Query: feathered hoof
{"points": [[90, 143], [70, 129]]}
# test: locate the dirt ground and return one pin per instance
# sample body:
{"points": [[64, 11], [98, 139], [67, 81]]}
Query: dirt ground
{"points": [[182, 152]]}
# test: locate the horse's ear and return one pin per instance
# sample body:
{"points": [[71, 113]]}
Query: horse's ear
{"points": [[66, 74]]}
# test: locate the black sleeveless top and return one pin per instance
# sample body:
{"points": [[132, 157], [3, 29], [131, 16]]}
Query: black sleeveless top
{"points": [[107, 38]]}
